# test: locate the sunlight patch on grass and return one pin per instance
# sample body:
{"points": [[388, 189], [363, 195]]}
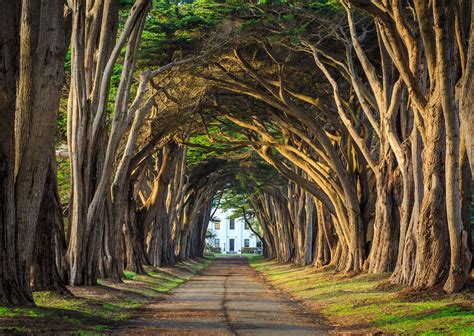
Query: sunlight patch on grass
{"points": [[93, 310], [7, 312], [129, 275], [358, 299]]}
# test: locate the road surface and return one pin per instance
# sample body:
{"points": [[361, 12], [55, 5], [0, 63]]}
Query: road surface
{"points": [[227, 298]]}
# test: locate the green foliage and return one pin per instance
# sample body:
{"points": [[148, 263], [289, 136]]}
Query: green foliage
{"points": [[129, 275], [327, 5], [280, 20], [248, 250], [62, 124], [7, 311], [210, 235], [175, 26], [64, 180], [101, 327], [126, 3], [212, 143], [220, 139]]}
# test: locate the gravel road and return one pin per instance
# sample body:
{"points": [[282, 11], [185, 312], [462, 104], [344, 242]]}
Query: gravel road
{"points": [[227, 298]]}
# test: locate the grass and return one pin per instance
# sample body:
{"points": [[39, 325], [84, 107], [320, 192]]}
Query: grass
{"points": [[367, 302], [129, 275], [96, 309]]}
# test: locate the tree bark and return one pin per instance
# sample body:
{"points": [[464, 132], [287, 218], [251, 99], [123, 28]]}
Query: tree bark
{"points": [[432, 237], [12, 289], [93, 150], [43, 45], [325, 240], [49, 247], [384, 247]]}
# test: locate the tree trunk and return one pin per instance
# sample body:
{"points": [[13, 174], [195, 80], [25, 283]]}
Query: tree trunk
{"points": [[113, 250], [325, 240], [49, 244], [383, 252], [12, 290], [460, 256], [206, 217], [154, 213], [466, 196], [135, 250], [432, 256], [42, 53], [94, 148], [404, 272]]}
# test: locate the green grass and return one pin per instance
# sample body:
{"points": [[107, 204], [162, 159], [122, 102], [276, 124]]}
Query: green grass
{"points": [[16, 330], [93, 310], [361, 300], [64, 180], [129, 275], [101, 327], [7, 312]]}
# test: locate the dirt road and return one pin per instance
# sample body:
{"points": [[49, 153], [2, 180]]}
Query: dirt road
{"points": [[227, 298]]}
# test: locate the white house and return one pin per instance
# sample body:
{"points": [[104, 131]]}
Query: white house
{"points": [[231, 235]]}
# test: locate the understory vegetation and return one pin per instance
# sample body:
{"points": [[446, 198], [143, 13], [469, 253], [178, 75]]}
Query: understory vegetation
{"points": [[369, 303]]}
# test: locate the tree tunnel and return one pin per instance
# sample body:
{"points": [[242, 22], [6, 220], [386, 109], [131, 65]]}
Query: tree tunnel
{"points": [[340, 128]]}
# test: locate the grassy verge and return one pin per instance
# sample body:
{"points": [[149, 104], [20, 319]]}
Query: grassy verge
{"points": [[96, 309], [368, 303]]}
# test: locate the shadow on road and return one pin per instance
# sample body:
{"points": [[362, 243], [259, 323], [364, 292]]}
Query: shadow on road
{"points": [[227, 298]]}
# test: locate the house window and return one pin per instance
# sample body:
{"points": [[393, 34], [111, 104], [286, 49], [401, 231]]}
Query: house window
{"points": [[246, 226], [217, 242], [232, 224], [246, 242], [217, 225], [259, 244]]}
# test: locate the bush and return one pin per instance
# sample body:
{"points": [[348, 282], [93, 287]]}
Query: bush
{"points": [[249, 250]]}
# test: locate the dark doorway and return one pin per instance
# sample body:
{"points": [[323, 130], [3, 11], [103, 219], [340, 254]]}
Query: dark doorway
{"points": [[231, 245]]}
